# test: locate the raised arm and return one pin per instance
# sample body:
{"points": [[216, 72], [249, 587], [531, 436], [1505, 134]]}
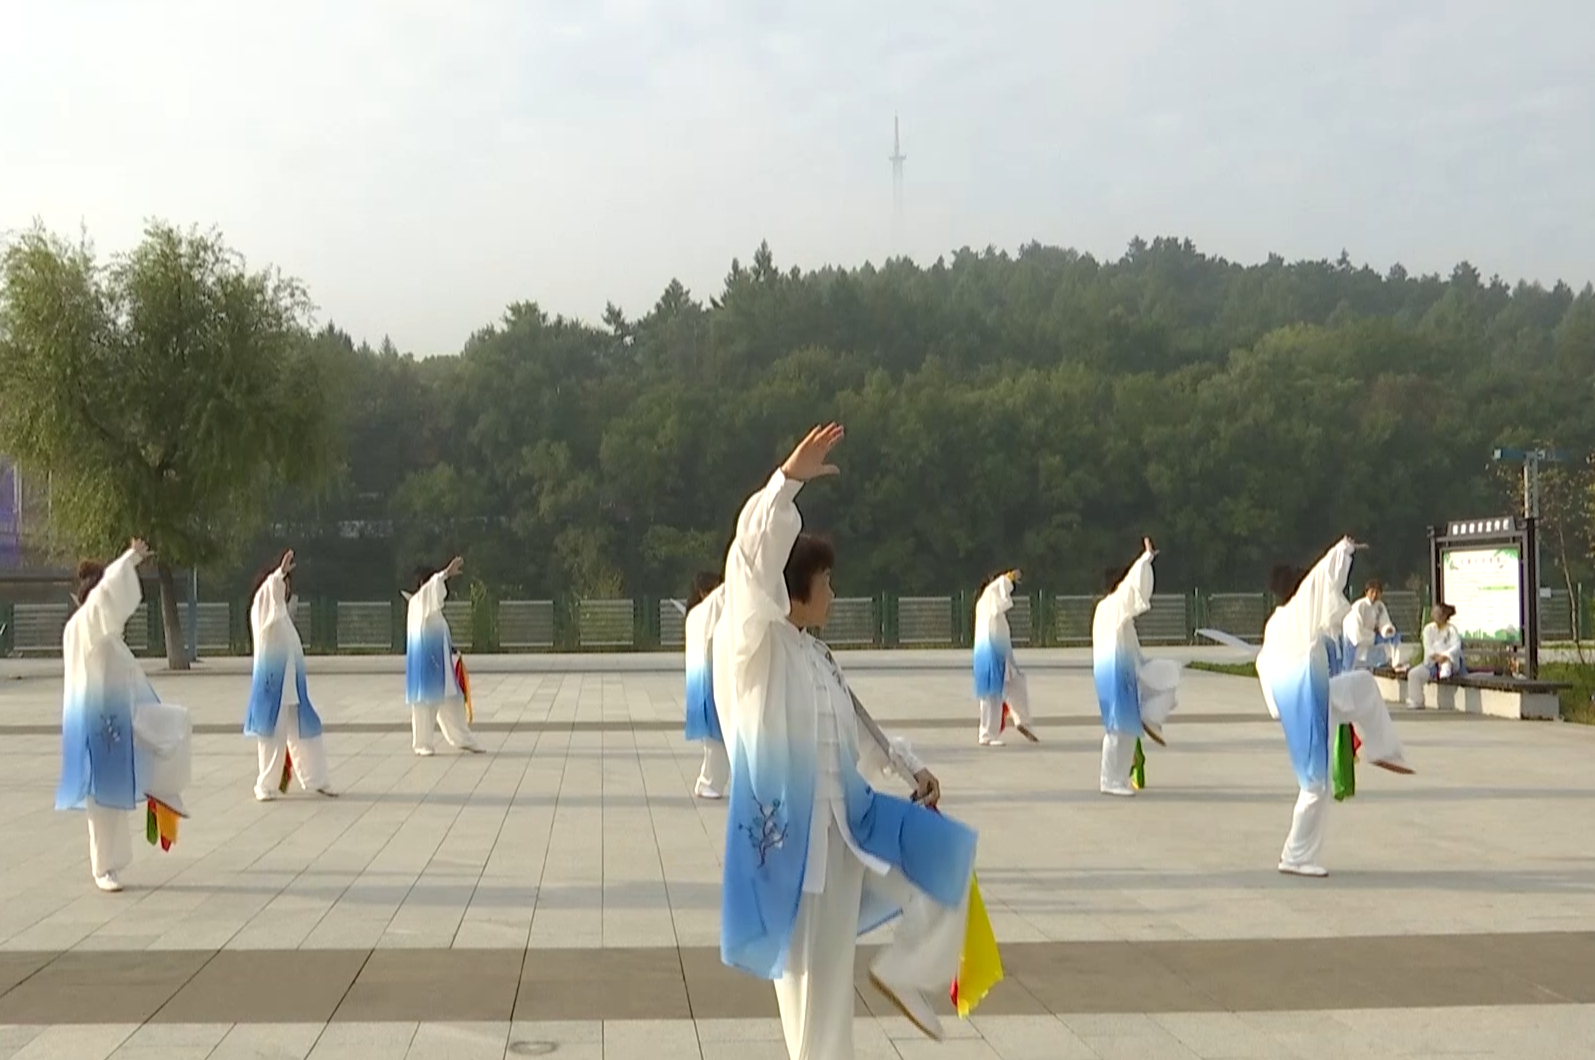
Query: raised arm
{"points": [[107, 607], [1133, 594], [767, 528], [435, 590], [1319, 605], [271, 599], [997, 597]]}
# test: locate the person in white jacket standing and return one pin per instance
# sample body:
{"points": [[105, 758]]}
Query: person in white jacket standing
{"points": [[999, 683], [120, 745], [704, 721], [287, 740], [431, 688]]}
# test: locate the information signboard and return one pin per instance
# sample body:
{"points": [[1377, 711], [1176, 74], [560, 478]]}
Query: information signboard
{"points": [[1485, 585]]}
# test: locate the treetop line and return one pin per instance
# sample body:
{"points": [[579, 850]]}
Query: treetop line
{"points": [[1042, 409]]}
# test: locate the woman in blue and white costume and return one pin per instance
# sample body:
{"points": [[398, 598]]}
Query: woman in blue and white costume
{"points": [[998, 679], [279, 658], [703, 715], [815, 856], [1135, 694], [430, 686], [118, 740], [1309, 689]]}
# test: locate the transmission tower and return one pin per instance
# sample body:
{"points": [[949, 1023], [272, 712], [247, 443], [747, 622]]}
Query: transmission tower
{"points": [[897, 159]]}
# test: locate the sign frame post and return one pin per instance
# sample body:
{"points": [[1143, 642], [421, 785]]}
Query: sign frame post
{"points": [[1520, 531]]}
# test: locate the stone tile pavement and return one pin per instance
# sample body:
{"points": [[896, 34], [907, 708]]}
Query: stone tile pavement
{"points": [[562, 890]]}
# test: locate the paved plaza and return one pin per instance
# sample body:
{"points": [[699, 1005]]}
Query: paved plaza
{"points": [[559, 895]]}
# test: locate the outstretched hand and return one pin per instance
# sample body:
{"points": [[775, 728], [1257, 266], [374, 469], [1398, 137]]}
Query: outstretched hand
{"points": [[456, 565], [808, 460], [139, 548], [1146, 546], [287, 565]]}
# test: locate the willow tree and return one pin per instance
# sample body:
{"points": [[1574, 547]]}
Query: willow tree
{"points": [[170, 393]]}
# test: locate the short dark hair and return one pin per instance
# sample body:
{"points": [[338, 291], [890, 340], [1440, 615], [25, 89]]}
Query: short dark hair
{"points": [[1450, 612], [421, 575], [1373, 585], [88, 575], [811, 556], [703, 583], [1285, 579]]}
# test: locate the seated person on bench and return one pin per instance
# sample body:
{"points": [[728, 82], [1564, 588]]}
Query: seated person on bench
{"points": [[1442, 654], [1369, 633]]}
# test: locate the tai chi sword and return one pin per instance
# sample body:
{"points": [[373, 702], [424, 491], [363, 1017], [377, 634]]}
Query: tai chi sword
{"points": [[868, 722]]}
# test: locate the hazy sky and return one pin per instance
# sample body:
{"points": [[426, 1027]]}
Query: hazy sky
{"points": [[419, 165]]}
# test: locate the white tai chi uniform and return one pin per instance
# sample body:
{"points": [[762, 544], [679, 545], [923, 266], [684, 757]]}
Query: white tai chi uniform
{"points": [[1293, 669], [280, 715], [998, 678], [119, 743], [814, 855], [1445, 642], [431, 687], [1370, 633], [815, 995], [705, 719], [1134, 693]]}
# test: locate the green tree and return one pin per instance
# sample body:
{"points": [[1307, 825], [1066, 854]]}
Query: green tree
{"points": [[168, 393]]}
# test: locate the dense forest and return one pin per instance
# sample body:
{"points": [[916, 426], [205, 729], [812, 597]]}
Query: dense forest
{"points": [[1041, 410]]}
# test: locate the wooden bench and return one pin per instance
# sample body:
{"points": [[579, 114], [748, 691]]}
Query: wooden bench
{"points": [[1495, 695]]}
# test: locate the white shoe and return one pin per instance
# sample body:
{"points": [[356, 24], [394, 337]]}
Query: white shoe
{"points": [[914, 1005], [425, 752], [1121, 790], [474, 749], [991, 743], [264, 796], [108, 883], [704, 791], [1316, 872]]}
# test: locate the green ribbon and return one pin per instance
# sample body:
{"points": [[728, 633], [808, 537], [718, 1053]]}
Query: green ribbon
{"points": [[1343, 765]]}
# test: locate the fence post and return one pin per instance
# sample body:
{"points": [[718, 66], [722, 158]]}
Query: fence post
{"points": [[645, 627], [565, 631]]}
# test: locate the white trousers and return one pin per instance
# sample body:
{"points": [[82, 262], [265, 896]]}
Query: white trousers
{"points": [[715, 776], [427, 718], [308, 756], [816, 993], [110, 842], [1016, 692], [1118, 756], [1421, 675], [990, 717], [1353, 697]]}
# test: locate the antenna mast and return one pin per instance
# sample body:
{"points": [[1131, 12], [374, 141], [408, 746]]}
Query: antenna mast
{"points": [[897, 159]]}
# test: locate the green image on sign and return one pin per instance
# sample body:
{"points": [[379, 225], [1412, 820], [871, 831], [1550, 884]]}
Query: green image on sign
{"points": [[1485, 586]]}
